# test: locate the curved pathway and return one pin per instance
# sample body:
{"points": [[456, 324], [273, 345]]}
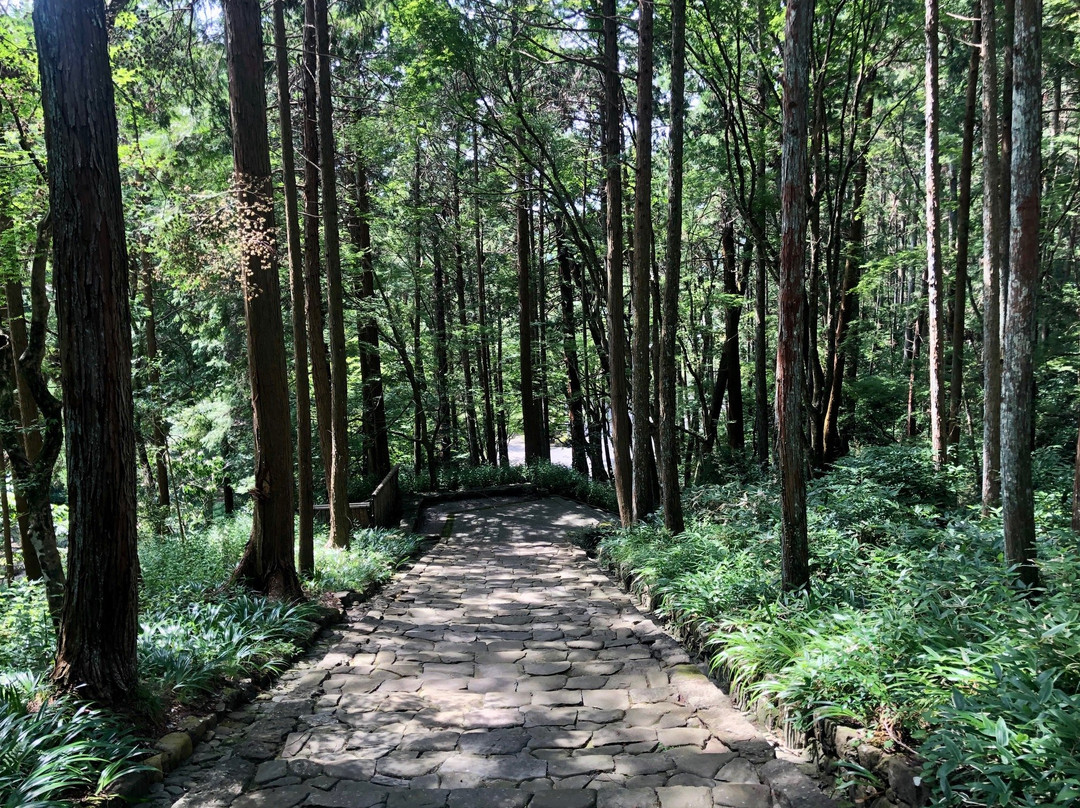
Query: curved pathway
{"points": [[503, 670]]}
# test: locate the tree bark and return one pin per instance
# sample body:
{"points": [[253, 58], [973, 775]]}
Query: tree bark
{"points": [[935, 298], [798, 25], [464, 348], [335, 292], [1017, 494], [313, 296], [304, 473], [669, 436], [9, 557], [96, 653], [23, 409], [991, 265], [484, 346], [849, 301], [442, 354], [620, 416], [376, 440], [157, 430], [644, 503], [574, 394], [963, 228], [267, 564]]}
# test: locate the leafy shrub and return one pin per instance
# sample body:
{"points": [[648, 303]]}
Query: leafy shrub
{"points": [[372, 557], [189, 652], [58, 750], [913, 625], [27, 639], [566, 481]]}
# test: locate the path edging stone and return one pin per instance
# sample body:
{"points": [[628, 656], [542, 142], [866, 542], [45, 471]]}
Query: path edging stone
{"points": [[791, 788]]}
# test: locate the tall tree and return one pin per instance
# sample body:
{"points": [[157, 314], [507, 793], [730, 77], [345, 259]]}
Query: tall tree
{"points": [[991, 265], [313, 296], [963, 227], [304, 482], [644, 503], [798, 30], [935, 281], [669, 445], [612, 122], [575, 396], [1017, 493], [267, 564], [96, 651], [335, 291], [376, 446]]}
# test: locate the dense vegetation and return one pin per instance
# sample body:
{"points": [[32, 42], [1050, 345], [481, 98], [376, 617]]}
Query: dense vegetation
{"points": [[912, 629], [484, 219], [195, 639]]}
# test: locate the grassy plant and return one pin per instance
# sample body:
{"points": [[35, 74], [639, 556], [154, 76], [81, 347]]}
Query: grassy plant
{"points": [[373, 556], [912, 627], [59, 750]]}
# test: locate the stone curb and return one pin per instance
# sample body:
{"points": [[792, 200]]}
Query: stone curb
{"points": [[790, 787], [174, 748]]}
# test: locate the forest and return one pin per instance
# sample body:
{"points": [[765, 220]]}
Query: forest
{"points": [[791, 290]]}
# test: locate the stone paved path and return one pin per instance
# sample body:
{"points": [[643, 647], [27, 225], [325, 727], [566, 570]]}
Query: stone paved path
{"points": [[503, 670]]}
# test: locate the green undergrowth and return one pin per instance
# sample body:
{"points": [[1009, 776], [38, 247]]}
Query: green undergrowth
{"points": [[912, 628], [556, 479], [196, 637]]}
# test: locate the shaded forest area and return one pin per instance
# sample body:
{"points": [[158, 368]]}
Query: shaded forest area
{"points": [[796, 286]]}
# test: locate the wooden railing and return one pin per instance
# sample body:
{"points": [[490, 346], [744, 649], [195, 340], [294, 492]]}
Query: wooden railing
{"points": [[383, 509], [385, 504]]}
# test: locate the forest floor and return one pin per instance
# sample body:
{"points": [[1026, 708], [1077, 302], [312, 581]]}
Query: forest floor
{"points": [[503, 669]]}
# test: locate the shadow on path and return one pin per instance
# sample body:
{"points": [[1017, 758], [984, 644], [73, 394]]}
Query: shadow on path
{"points": [[504, 669]]}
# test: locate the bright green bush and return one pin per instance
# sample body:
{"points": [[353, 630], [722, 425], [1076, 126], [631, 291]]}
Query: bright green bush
{"points": [[373, 556]]}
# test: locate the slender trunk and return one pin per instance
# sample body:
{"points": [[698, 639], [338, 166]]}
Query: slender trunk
{"points": [[612, 115], [1017, 494], [33, 477], [574, 396], [669, 437], [23, 411], [157, 430], [268, 562], [540, 332], [9, 557], [530, 416], [849, 300], [97, 638], [1004, 176], [305, 493], [789, 355], [376, 441], [503, 436], [320, 362], [933, 240], [735, 430], [484, 347], [335, 292], [963, 228], [644, 503], [991, 264], [465, 350], [441, 433]]}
